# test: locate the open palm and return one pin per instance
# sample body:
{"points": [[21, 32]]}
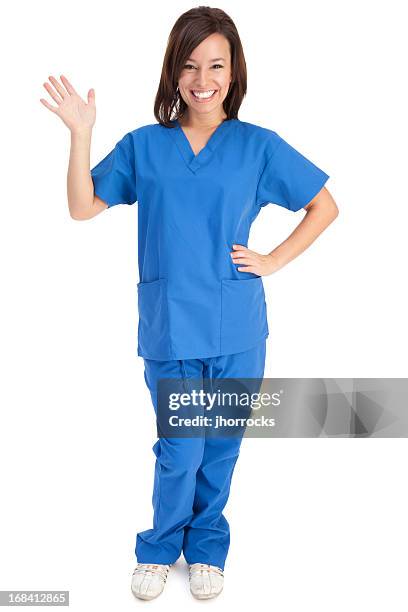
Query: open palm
{"points": [[74, 111]]}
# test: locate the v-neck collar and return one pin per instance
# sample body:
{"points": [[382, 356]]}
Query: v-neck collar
{"points": [[194, 162]]}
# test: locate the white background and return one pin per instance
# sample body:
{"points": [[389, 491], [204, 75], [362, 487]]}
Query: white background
{"points": [[316, 524]]}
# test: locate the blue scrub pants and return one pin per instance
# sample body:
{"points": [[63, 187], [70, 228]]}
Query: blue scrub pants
{"points": [[192, 476]]}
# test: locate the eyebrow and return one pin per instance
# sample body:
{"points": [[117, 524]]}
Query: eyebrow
{"points": [[213, 60]]}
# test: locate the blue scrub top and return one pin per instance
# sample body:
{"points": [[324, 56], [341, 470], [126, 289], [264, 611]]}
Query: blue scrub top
{"points": [[192, 300]]}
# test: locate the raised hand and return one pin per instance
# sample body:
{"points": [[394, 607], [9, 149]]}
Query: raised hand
{"points": [[71, 108]]}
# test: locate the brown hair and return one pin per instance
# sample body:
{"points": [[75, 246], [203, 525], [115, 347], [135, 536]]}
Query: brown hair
{"points": [[190, 29]]}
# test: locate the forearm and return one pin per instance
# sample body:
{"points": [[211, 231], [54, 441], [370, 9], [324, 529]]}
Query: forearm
{"points": [[317, 218], [80, 190]]}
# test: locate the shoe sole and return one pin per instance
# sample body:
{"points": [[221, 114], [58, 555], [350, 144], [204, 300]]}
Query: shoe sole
{"points": [[210, 596]]}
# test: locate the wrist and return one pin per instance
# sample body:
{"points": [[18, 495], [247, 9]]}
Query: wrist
{"points": [[83, 133], [275, 262]]}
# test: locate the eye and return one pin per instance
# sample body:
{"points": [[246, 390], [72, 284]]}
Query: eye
{"points": [[189, 66], [219, 65]]}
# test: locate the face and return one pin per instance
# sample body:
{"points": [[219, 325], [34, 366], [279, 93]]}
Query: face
{"points": [[205, 78]]}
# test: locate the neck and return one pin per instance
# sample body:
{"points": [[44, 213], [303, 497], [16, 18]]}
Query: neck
{"points": [[202, 121]]}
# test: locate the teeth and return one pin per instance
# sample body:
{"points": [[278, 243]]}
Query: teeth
{"points": [[204, 94]]}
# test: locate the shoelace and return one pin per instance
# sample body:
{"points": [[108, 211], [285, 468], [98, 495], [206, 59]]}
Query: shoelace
{"points": [[204, 567], [161, 570]]}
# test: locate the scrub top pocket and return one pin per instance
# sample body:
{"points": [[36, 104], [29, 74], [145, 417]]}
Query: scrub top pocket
{"points": [[243, 313], [153, 329]]}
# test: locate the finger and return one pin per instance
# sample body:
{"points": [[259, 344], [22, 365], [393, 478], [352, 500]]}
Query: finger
{"points": [[58, 87], [241, 254], [68, 86], [247, 269], [241, 257], [52, 108], [52, 93], [244, 261], [239, 248], [91, 96]]}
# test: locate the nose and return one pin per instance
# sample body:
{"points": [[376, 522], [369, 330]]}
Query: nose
{"points": [[201, 80]]}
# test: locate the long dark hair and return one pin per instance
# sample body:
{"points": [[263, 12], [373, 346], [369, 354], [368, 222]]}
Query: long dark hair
{"points": [[190, 29]]}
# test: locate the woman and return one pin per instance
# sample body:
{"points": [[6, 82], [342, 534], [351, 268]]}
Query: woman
{"points": [[200, 177]]}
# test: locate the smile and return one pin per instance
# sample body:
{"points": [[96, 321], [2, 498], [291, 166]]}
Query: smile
{"points": [[204, 95]]}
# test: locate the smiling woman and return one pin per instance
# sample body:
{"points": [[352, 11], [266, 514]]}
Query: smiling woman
{"points": [[207, 59], [200, 177], [205, 82]]}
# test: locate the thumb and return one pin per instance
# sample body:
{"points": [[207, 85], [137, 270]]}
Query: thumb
{"points": [[91, 95]]}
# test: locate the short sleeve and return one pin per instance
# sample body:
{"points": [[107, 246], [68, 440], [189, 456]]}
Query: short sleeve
{"points": [[289, 179], [114, 177]]}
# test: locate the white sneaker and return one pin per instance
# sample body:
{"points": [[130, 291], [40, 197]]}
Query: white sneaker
{"points": [[206, 581], [148, 580]]}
